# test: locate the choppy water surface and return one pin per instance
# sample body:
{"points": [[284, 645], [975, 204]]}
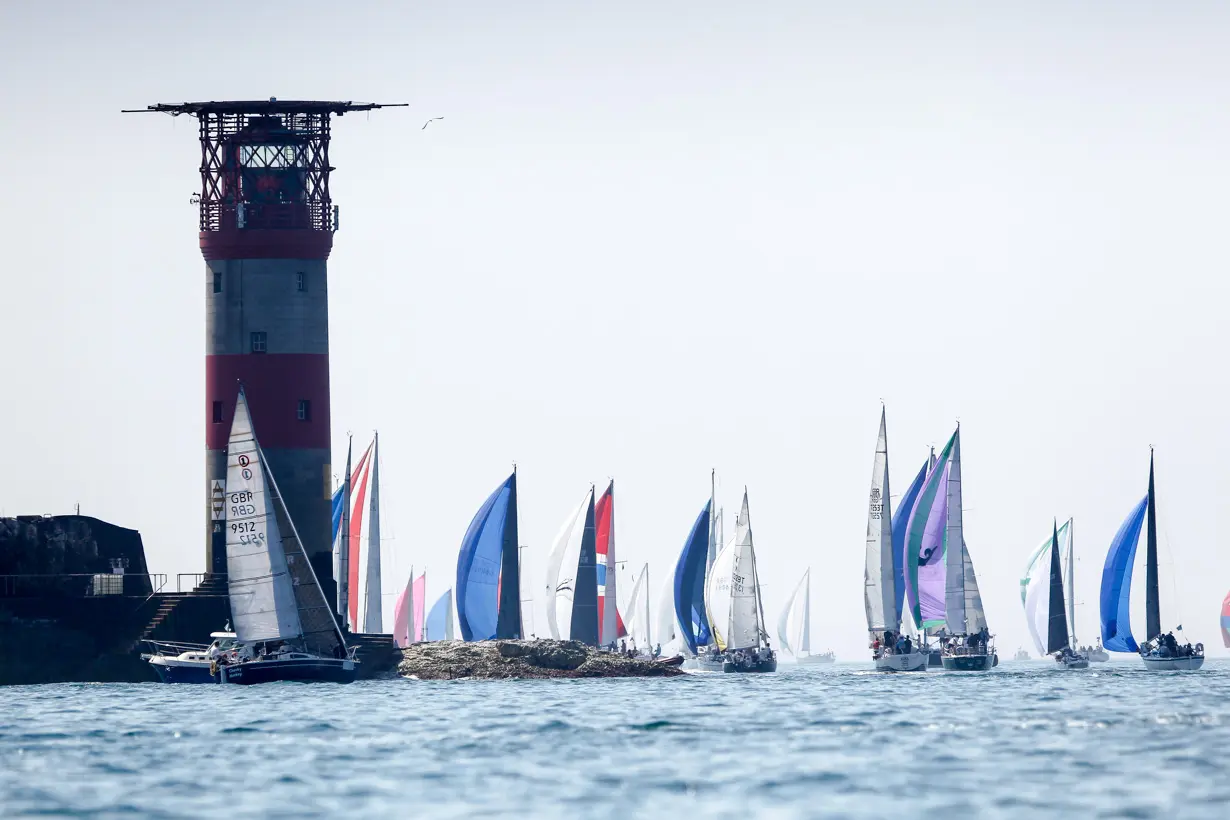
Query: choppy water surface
{"points": [[1023, 741]]}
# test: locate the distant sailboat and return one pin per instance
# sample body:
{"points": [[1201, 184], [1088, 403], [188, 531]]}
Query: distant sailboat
{"points": [[1225, 620], [283, 623], [638, 615], [356, 560], [488, 570], [688, 586], [941, 587], [610, 625], [1160, 652], [1047, 611], [402, 614], [794, 625], [572, 578], [732, 598], [439, 625], [890, 651], [1034, 584]]}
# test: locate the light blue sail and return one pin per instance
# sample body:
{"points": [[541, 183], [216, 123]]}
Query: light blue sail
{"points": [[479, 565], [900, 518], [1117, 583], [690, 584], [437, 626]]}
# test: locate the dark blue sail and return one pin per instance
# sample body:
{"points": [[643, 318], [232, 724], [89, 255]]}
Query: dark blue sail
{"points": [[1117, 583], [690, 584], [488, 601], [338, 495], [584, 625], [900, 519]]}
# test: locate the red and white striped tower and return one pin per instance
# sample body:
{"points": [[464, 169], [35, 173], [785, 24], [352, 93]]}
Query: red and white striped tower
{"points": [[267, 224]]}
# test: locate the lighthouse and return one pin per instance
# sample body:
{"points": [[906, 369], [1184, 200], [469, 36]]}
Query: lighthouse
{"points": [[266, 229]]}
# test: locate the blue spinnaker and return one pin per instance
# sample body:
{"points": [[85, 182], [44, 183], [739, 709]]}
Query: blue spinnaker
{"points": [[690, 584], [479, 564], [900, 518], [337, 511], [436, 628], [1117, 583]]}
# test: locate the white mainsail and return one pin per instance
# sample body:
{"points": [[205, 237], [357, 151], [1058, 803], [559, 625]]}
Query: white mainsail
{"points": [[562, 566], [259, 583], [793, 628], [373, 615], [745, 628], [638, 612], [954, 580], [878, 592]]}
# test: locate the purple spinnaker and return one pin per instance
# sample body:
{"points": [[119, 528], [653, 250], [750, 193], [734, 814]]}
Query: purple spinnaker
{"points": [[931, 564], [924, 553]]}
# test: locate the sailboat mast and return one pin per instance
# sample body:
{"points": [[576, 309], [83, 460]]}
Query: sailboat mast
{"points": [[343, 549], [713, 546], [1153, 615], [1070, 584], [805, 644]]}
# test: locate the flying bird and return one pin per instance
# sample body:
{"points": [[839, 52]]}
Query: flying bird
{"points": [[429, 122]]}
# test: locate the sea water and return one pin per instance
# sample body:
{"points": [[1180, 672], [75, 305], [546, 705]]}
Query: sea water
{"points": [[1025, 740]]}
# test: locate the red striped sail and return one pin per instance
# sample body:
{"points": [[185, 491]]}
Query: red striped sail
{"points": [[359, 502], [1225, 620], [610, 624]]}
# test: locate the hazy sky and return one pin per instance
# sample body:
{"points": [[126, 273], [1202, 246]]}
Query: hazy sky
{"points": [[649, 239]]}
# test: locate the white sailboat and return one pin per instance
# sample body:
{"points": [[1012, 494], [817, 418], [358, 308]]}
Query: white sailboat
{"points": [[638, 615], [732, 599], [282, 619], [890, 651], [562, 564], [794, 625]]}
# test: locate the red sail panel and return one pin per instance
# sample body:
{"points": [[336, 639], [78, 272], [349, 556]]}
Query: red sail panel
{"points": [[604, 525], [358, 493]]}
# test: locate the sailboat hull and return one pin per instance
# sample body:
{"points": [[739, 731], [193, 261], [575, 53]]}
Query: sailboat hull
{"points": [[913, 662], [705, 663], [1078, 662], [1188, 664], [306, 670], [767, 665], [809, 660], [970, 663]]}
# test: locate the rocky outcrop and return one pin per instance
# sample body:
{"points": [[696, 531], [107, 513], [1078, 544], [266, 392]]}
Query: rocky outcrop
{"points": [[542, 658]]}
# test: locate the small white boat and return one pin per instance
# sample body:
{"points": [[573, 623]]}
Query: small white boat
{"points": [[794, 626]]}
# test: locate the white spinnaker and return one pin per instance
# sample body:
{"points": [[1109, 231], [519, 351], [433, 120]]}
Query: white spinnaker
{"points": [[878, 583], [792, 626], [562, 566], [261, 591], [717, 594], [955, 578], [1038, 601]]}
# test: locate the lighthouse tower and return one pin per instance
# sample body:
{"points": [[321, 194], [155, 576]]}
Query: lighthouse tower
{"points": [[266, 229]]}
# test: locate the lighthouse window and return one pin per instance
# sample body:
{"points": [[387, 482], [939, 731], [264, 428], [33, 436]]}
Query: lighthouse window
{"points": [[217, 412], [259, 342], [301, 281], [305, 410], [217, 281]]}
